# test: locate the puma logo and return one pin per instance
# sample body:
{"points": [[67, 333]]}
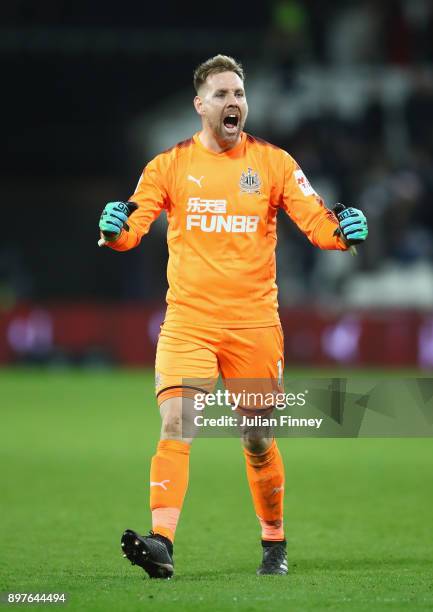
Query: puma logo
{"points": [[195, 180], [276, 490], [159, 484]]}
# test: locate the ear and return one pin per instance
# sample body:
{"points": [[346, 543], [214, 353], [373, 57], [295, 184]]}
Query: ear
{"points": [[198, 105]]}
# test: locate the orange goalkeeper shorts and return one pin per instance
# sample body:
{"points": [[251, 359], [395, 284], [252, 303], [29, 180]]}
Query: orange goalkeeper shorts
{"points": [[190, 359]]}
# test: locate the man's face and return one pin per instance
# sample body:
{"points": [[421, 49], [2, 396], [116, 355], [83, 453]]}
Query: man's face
{"points": [[223, 107]]}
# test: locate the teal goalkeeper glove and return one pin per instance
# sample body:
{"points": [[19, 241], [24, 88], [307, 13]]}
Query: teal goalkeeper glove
{"points": [[114, 217], [353, 224]]}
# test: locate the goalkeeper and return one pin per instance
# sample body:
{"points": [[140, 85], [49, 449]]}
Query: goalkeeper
{"points": [[221, 191]]}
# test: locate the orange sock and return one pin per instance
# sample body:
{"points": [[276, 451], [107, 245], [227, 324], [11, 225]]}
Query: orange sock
{"points": [[265, 474], [169, 472]]}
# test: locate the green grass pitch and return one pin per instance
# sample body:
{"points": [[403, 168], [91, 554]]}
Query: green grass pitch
{"points": [[75, 453]]}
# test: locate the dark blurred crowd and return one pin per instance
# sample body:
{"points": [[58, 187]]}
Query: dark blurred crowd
{"points": [[351, 31], [394, 31], [381, 158], [392, 187]]}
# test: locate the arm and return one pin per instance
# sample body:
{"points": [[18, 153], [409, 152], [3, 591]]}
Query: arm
{"points": [[307, 210], [151, 198]]}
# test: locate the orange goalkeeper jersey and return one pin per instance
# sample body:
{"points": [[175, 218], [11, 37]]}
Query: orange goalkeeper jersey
{"points": [[221, 210]]}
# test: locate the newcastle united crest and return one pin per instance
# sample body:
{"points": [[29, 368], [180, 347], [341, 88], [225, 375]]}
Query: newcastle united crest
{"points": [[250, 182]]}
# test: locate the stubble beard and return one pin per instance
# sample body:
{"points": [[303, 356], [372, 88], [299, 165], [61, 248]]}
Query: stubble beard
{"points": [[224, 137]]}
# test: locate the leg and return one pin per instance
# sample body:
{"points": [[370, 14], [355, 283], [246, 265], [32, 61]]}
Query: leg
{"points": [[168, 484], [185, 364], [169, 470], [265, 473]]}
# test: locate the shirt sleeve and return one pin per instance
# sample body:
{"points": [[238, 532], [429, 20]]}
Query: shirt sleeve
{"points": [[307, 209], [151, 198]]}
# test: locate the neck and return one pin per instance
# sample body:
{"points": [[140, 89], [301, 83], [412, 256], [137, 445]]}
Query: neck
{"points": [[211, 142]]}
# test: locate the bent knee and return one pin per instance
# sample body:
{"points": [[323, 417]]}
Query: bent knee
{"points": [[171, 426], [174, 416], [255, 443]]}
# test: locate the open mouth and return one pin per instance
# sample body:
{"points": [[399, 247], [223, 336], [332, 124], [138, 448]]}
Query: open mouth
{"points": [[231, 122]]}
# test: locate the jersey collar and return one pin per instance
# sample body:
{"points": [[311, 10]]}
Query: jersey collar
{"points": [[230, 153]]}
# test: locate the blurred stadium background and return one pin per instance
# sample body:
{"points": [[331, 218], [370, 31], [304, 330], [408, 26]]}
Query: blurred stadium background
{"points": [[93, 90]]}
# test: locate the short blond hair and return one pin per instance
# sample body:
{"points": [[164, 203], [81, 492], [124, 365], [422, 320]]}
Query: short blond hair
{"points": [[214, 65]]}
